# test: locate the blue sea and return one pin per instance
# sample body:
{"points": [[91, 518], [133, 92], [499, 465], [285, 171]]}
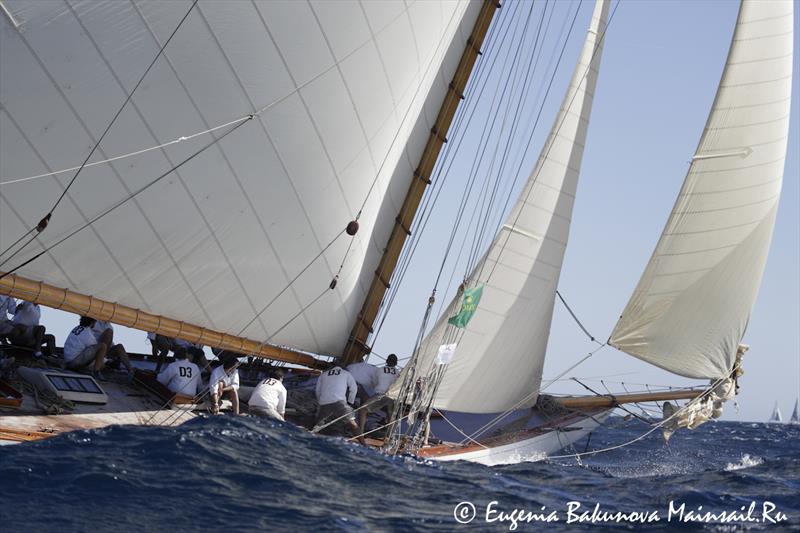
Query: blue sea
{"points": [[243, 474]]}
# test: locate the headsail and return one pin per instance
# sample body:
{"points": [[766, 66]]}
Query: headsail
{"points": [[690, 309], [498, 361], [345, 92]]}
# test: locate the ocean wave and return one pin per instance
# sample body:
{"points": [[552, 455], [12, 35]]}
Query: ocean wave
{"points": [[747, 461]]}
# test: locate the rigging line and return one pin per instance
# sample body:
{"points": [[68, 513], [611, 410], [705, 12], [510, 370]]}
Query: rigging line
{"points": [[446, 162], [129, 197], [530, 138], [45, 220], [131, 154], [127, 99], [424, 215], [483, 143], [597, 46], [14, 244], [575, 318], [524, 88], [291, 282], [612, 397]]}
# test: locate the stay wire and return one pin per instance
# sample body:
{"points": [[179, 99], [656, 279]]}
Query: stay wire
{"points": [[575, 318]]}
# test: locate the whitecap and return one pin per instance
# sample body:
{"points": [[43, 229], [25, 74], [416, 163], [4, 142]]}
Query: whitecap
{"points": [[747, 461]]}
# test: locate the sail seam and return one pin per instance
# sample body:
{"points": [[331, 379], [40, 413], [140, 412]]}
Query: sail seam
{"points": [[702, 232], [763, 37], [722, 191], [698, 251], [735, 169], [751, 83], [748, 125], [759, 60], [727, 208], [775, 17]]}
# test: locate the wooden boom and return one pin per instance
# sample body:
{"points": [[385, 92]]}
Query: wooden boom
{"points": [[67, 300], [610, 400], [357, 344]]}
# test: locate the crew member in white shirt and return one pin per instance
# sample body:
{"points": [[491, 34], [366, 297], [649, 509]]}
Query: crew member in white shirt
{"points": [[336, 388], [269, 397], [83, 350], [366, 376], [224, 382], [182, 376], [8, 306], [386, 378], [28, 332]]}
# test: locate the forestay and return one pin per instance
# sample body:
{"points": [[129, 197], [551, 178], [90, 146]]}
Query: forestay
{"points": [[498, 361], [348, 90], [691, 307]]}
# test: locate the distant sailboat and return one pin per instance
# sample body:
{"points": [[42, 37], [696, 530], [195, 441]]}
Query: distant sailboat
{"points": [[795, 419], [776, 417]]}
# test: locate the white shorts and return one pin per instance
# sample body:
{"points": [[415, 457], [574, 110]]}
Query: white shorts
{"points": [[83, 359]]}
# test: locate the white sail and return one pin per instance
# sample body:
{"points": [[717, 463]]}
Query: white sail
{"points": [[776, 414], [498, 361], [691, 307], [351, 90], [795, 419]]}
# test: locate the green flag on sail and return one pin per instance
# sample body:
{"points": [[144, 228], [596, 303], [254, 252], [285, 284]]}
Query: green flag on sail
{"points": [[471, 299]]}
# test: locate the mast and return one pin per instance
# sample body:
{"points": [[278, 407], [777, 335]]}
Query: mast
{"points": [[356, 346], [74, 302]]}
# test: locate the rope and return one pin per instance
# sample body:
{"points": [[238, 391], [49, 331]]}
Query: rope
{"points": [[575, 318]]}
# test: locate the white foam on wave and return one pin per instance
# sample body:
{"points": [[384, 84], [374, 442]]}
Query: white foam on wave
{"points": [[747, 461]]}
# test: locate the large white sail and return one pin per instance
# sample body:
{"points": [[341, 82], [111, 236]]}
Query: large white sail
{"points": [[498, 361], [351, 90], [691, 307]]}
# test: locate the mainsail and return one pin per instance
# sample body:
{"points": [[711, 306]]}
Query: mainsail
{"points": [[691, 307], [498, 361], [342, 93]]}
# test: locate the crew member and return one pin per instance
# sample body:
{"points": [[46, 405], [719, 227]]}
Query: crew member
{"points": [[269, 397], [83, 350], [28, 332], [366, 376], [182, 376], [386, 378], [224, 382], [336, 388]]}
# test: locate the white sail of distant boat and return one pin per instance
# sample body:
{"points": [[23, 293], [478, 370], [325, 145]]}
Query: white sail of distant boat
{"points": [[795, 418], [519, 273], [691, 307], [776, 416]]}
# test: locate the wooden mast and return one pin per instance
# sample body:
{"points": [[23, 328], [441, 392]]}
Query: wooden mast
{"points": [[357, 346], [612, 400], [67, 300]]}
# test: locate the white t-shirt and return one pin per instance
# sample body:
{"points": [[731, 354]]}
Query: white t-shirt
{"points": [[270, 393], [365, 375], [8, 306], [218, 375], [335, 385], [27, 314], [77, 341], [181, 377], [100, 326], [386, 378]]}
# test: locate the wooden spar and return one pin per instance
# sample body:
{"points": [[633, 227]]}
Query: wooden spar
{"points": [[588, 402], [67, 300], [356, 346]]}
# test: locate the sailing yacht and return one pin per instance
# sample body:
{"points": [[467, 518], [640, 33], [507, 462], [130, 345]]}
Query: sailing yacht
{"points": [[261, 202], [795, 418], [776, 417]]}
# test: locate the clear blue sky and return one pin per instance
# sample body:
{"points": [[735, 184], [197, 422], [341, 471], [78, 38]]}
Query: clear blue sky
{"points": [[660, 69]]}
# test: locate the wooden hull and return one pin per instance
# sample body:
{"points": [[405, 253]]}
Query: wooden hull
{"points": [[533, 444]]}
